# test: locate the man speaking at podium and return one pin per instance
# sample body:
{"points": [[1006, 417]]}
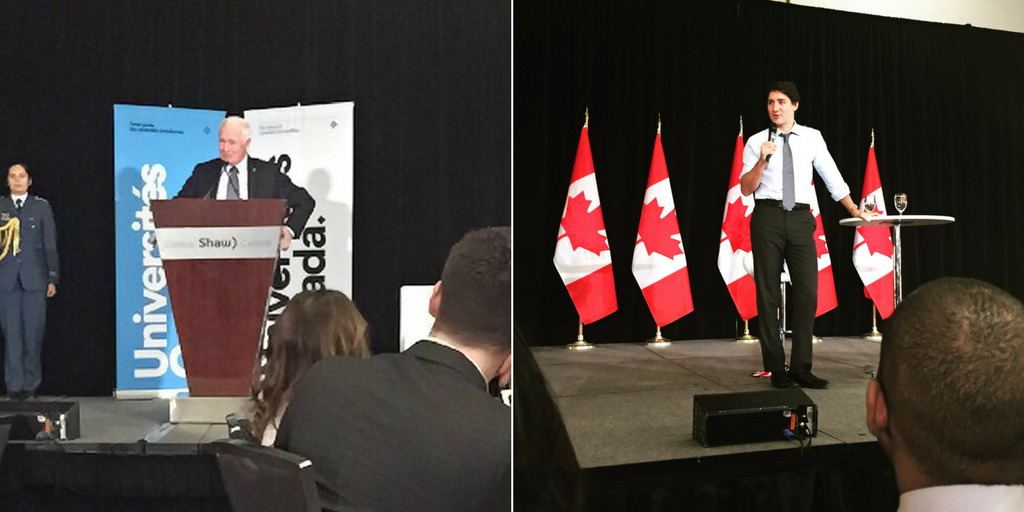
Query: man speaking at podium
{"points": [[236, 175]]}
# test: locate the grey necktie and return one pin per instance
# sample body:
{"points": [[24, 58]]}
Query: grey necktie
{"points": [[788, 187], [17, 204], [232, 192]]}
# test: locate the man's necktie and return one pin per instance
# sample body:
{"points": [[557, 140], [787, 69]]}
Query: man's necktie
{"points": [[18, 204], [788, 186], [233, 183]]}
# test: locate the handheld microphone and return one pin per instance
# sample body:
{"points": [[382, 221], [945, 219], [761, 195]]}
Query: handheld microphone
{"points": [[771, 138]]}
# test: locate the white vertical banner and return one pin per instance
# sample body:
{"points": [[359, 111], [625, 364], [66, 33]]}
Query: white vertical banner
{"points": [[313, 146]]}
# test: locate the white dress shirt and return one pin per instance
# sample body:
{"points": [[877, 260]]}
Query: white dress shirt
{"points": [[809, 151], [16, 197], [990, 498], [243, 180]]}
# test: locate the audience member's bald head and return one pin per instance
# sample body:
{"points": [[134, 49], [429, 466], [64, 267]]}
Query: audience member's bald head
{"points": [[950, 372]]}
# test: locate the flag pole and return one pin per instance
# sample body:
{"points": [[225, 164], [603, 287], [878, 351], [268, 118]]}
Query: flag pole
{"points": [[658, 340], [874, 335], [747, 338], [580, 344]]}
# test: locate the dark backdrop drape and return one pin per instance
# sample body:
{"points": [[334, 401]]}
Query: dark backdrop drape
{"points": [[943, 100], [431, 82]]}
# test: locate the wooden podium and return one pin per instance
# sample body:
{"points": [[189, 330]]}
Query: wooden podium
{"points": [[219, 259]]}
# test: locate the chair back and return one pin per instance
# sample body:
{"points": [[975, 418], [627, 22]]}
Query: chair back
{"points": [[6, 421], [260, 478]]}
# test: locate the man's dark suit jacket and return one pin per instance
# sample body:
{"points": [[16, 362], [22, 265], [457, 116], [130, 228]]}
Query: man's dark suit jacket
{"points": [[36, 266], [266, 181], [402, 432]]}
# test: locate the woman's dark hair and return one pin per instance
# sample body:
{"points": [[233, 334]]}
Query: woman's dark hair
{"points": [[314, 325], [547, 474]]}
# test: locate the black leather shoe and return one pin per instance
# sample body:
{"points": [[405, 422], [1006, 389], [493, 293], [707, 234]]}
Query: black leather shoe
{"points": [[808, 380], [28, 395], [783, 381], [18, 395]]}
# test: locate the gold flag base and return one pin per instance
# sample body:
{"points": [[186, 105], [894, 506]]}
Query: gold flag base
{"points": [[580, 344], [874, 335], [658, 340], [747, 338]]}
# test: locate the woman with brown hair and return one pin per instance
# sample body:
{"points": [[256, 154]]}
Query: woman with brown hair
{"points": [[314, 325]]}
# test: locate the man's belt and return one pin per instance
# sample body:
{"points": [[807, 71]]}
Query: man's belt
{"points": [[778, 204]]}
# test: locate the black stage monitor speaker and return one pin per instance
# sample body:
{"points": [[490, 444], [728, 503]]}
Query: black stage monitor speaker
{"points": [[41, 419], [752, 417]]}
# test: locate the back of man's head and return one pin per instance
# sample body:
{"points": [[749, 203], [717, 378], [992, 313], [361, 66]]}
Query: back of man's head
{"points": [[950, 370], [476, 290]]}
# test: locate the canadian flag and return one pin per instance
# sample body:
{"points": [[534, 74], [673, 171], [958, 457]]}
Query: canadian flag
{"points": [[582, 255], [826, 285], [872, 245], [735, 242], [659, 262]]}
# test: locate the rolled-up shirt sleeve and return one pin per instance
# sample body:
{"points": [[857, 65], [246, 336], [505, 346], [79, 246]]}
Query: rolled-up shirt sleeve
{"points": [[827, 169]]}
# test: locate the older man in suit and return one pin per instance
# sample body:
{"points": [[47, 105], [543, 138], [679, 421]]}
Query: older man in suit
{"points": [[419, 430], [236, 175], [27, 279]]}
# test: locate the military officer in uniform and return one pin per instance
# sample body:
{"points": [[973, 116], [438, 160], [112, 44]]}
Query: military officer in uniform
{"points": [[27, 279]]}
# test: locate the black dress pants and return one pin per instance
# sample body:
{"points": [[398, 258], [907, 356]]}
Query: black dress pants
{"points": [[777, 235]]}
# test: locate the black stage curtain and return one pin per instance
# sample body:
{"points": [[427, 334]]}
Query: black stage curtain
{"points": [[431, 81], [943, 101]]}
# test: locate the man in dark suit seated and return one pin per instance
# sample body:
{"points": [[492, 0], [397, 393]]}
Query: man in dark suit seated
{"points": [[419, 430], [27, 279], [236, 175], [947, 405]]}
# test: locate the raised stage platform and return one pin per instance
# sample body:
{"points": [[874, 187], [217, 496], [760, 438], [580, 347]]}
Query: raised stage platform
{"points": [[129, 457], [629, 412]]}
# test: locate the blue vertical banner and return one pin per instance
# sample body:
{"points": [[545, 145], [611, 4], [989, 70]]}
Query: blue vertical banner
{"points": [[155, 150]]}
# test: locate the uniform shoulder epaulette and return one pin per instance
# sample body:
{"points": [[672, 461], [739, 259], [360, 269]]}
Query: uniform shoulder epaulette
{"points": [[43, 199]]}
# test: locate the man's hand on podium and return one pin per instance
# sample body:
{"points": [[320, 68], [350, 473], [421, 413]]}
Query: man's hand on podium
{"points": [[286, 238]]}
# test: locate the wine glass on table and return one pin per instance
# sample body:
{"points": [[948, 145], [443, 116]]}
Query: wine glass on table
{"points": [[869, 203], [901, 202]]}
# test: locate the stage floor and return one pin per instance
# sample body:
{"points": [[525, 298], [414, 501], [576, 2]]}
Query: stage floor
{"points": [[629, 403], [131, 426]]}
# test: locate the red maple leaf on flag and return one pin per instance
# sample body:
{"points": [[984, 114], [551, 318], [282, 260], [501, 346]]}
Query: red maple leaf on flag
{"points": [[733, 226], [819, 240], [656, 232], [582, 227], [877, 239]]}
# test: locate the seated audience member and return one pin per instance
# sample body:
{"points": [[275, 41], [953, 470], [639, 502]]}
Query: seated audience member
{"points": [[547, 473], [314, 325], [948, 403], [418, 431]]}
